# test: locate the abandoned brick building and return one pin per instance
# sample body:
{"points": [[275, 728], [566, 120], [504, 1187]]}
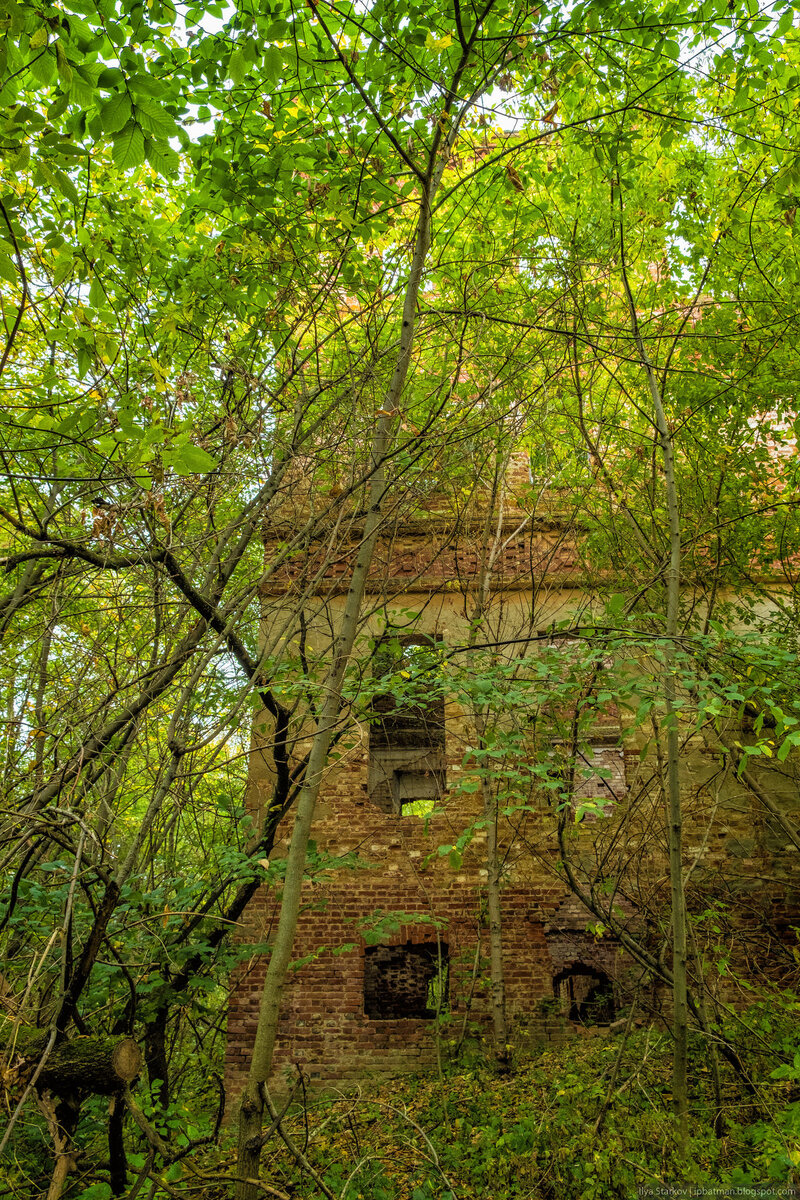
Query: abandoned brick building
{"points": [[393, 940]]}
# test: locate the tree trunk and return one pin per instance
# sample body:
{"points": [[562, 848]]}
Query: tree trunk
{"points": [[498, 987], [62, 1120], [100, 1065], [680, 1022], [117, 1159], [155, 1053], [252, 1108]]}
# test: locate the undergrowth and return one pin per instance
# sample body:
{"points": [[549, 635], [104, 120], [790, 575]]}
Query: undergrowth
{"points": [[588, 1121], [574, 1124]]}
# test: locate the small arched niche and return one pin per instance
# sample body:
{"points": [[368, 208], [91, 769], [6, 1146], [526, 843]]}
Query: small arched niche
{"points": [[586, 995]]}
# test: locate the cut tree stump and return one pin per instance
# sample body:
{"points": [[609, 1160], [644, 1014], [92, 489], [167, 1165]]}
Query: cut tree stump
{"points": [[100, 1065]]}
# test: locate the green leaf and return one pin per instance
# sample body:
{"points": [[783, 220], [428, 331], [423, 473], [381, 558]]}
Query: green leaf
{"points": [[784, 23], [97, 1191], [58, 180], [7, 269], [116, 113], [62, 65], [59, 105], [43, 67], [616, 605], [191, 460], [237, 67], [84, 361], [96, 293], [63, 266], [81, 33], [128, 151], [110, 78], [162, 157], [81, 91], [273, 64], [154, 119]]}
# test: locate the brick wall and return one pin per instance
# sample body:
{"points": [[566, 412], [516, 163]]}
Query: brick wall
{"points": [[327, 1028]]}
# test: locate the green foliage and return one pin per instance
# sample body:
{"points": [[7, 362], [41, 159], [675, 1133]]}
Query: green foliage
{"points": [[206, 223], [535, 1134], [380, 925]]}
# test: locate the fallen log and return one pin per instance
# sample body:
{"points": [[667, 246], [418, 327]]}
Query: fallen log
{"points": [[100, 1065]]}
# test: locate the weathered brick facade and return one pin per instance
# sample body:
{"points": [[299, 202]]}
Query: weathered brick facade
{"points": [[363, 1002]]}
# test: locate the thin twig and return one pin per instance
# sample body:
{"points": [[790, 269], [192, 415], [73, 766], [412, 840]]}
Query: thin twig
{"points": [[51, 1041], [295, 1150]]}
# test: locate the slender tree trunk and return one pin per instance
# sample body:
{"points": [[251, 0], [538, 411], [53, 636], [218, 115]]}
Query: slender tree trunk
{"points": [[680, 1023], [62, 1119], [117, 1159], [252, 1107], [498, 984], [492, 546]]}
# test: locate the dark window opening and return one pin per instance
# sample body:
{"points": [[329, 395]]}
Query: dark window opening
{"points": [[586, 995], [407, 769], [406, 981]]}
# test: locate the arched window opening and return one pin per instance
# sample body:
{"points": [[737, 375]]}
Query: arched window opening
{"points": [[586, 995]]}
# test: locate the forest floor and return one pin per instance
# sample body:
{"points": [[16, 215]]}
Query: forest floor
{"points": [[587, 1121], [590, 1120]]}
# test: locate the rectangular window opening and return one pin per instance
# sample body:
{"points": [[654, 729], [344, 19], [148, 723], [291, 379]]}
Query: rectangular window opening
{"points": [[407, 773], [410, 981]]}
